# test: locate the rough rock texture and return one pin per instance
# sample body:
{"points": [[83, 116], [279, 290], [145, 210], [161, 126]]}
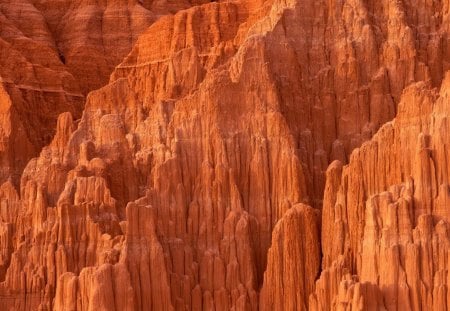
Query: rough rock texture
{"points": [[195, 178], [385, 218], [293, 261], [52, 53]]}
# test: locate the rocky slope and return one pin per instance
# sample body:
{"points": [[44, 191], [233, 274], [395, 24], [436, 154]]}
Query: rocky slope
{"points": [[195, 179]]}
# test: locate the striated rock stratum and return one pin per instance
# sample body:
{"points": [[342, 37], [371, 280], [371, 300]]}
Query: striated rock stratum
{"points": [[224, 155]]}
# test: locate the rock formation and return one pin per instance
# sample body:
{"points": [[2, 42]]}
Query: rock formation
{"points": [[385, 216], [293, 261], [52, 54], [208, 172]]}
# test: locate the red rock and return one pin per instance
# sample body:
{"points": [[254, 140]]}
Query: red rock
{"points": [[293, 261], [52, 55], [389, 211], [195, 176]]}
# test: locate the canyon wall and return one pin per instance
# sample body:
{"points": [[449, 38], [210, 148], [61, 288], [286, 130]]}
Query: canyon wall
{"points": [[187, 155]]}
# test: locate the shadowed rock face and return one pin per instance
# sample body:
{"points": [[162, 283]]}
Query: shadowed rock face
{"points": [[196, 176]]}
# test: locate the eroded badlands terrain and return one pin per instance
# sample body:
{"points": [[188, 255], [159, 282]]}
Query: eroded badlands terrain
{"points": [[224, 155]]}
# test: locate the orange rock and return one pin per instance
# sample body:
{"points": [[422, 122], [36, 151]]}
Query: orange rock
{"points": [[53, 54], [293, 261], [389, 211], [193, 178]]}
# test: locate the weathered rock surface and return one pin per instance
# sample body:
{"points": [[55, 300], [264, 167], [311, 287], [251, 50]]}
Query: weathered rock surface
{"points": [[293, 261], [195, 177], [385, 218], [52, 54]]}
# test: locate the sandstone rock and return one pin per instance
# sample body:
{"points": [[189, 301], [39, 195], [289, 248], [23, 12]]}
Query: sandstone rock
{"points": [[293, 261], [52, 55], [193, 178], [389, 213]]}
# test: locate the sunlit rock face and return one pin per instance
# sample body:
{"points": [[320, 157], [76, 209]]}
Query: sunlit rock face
{"points": [[385, 217], [52, 54], [224, 155]]}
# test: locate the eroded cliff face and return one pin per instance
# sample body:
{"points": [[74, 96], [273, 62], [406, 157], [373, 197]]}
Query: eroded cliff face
{"points": [[195, 178], [385, 217], [52, 54]]}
